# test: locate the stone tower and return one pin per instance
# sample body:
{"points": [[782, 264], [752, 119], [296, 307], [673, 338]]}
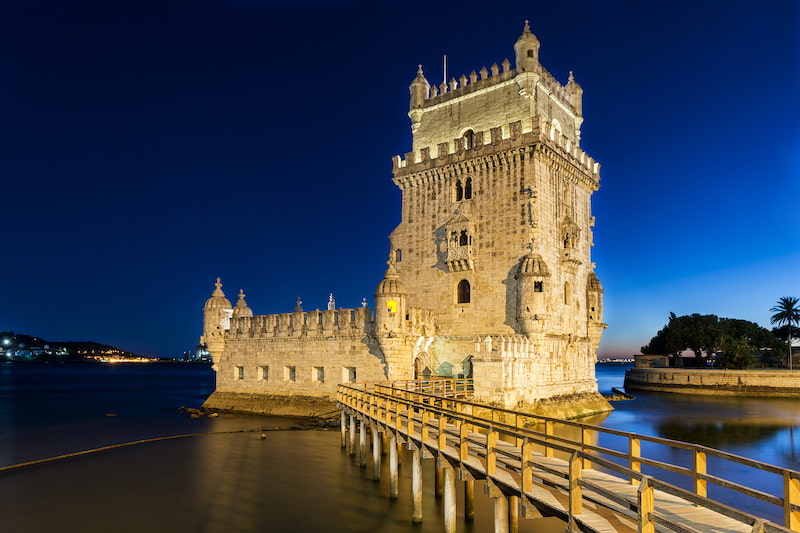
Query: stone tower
{"points": [[496, 228]]}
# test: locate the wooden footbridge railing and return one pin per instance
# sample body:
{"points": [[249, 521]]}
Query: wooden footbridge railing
{"points": [[529, 466]]}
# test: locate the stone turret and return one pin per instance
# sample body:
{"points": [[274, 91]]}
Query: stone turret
{"points": [[390, 303], [532, 287], [420, 90], [526, 51], [575, 92], [217, 313]]}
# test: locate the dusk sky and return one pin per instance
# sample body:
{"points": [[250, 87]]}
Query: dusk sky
{"points": [[148, 147]]}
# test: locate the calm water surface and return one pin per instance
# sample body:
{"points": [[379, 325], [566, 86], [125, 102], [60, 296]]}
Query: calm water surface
{"points": [[289, 481]]}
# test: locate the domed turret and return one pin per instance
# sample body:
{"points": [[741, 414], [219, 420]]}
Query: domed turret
{"points": [[217, 300], [575, 92], [216, 320], [531, 287], [390, 302], [420, 90], [241, 308], [526, 51]]}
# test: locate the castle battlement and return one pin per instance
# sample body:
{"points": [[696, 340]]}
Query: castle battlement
{"points": [[326, 323], [487, 146], [484, 78]]}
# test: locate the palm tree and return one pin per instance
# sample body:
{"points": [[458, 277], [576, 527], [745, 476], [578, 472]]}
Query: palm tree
{"points": [[786, 312]]}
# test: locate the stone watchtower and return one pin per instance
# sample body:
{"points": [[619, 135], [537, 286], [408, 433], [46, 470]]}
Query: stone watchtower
{"points": [[496, 230]]}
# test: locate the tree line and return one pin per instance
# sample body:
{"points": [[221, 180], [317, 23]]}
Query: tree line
{"points": [[730, 342]]}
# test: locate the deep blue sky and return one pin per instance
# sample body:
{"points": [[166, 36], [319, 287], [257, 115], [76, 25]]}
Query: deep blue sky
{"points": [[147, 147]]}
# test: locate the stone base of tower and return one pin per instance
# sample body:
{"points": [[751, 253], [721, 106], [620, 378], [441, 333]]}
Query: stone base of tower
{"points": [[271, 404], [568, 407]]}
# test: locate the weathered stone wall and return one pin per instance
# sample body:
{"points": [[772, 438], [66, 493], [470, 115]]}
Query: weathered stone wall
{"points": [[715, 382], [304, 366]]}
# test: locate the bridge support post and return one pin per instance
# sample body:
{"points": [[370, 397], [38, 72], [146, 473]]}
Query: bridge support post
{"points": [[469, 499], [376, 453], [513, 514], [343, 427], [362, 443], [416, 485], [393, 485], [439, 481], [500, 514], [646, 506], [449, 498], [352, 435]]}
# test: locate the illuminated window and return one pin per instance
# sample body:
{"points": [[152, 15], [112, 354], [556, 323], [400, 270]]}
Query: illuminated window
{"points": [[391, 306], [463, 292]]}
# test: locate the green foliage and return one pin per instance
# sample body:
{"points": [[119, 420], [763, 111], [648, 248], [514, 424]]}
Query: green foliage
{"points": [[737, 354], [740, 340]]}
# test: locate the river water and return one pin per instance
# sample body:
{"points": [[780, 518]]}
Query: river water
{"points": [[287, 481]]}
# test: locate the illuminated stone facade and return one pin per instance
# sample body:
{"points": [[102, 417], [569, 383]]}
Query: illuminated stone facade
{"points": [[490, 272]]}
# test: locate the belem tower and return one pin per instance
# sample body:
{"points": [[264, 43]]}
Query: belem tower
{"points": [[489, 273]]}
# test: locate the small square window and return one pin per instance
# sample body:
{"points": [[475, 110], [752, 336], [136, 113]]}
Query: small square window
{"points": [[263, 374], [349, 374], [290, 373], [318, 374]]}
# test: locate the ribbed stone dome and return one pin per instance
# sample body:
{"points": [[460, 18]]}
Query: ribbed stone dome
{"points": [[391, 283], [532, 265], [218, 300], [241, 308]]}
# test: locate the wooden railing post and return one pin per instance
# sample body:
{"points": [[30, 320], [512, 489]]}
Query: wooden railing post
{"points": [[549, 430], [575, 489], [646, 506], [491, 453], [442, 432], [518, 418], [586, 438], [463, 445], [425, 416], [527, 468], [634, 454], [699, 467], [791, 498]]}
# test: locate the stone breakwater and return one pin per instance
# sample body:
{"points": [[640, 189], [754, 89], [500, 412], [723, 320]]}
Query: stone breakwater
{"points": [[715, 382]]}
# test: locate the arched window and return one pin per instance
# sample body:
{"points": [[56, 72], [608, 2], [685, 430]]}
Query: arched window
{"points": [[469, 138], [468, 189], [459, 191], [464, 239], [463, 292]]}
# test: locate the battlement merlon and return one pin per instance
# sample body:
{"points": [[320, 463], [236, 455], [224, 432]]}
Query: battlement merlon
{"points": [[506, 138], [326, 323]]}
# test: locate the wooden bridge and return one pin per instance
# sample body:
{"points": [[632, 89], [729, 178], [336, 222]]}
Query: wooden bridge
{"points": [[537, 466]]}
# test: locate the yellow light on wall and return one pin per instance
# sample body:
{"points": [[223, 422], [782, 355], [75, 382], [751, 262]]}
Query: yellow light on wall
{"points": [[391, 306]]}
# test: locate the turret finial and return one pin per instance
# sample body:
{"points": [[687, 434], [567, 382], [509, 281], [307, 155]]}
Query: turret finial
{"points": [[419, 69], [527, 28], [218, 284], [241, 294]]}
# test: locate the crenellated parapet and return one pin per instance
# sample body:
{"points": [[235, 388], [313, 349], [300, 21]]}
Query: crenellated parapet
{"points": [[326, 323], [490, 149]]}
